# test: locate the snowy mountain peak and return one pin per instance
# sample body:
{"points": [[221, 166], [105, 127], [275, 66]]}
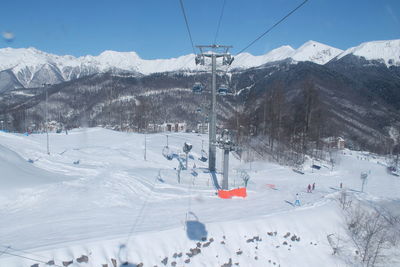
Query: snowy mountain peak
{"points": [[109, 54], [387, 51], [112, 59], [280, 52], [316, 52], [247, 60]]}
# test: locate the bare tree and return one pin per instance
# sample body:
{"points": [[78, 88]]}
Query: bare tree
{"points": [[345, 200], [371, 233]]}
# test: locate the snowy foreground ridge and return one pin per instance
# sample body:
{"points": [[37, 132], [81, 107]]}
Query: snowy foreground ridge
{"points": [[95, 201]]}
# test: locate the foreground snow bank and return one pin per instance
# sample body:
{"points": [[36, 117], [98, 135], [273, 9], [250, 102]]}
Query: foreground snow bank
{"points": [[17, 172], [296, 238]]}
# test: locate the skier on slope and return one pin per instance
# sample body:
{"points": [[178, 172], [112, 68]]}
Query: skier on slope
{"points": [[309, 188], [297, 202], [313, 186]]}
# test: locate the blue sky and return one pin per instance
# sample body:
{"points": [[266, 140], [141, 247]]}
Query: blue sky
{"points": [[156, 29]]}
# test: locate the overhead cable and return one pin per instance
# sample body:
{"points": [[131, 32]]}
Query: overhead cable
{"points": [[187, 25], [273, 26]]}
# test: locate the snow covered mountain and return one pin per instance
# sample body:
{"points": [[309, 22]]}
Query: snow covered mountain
{"points": [[247, 60], [315, 52], [310, 51], [387, 52], [33, 67]]}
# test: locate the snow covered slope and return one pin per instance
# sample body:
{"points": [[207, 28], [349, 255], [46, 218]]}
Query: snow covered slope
{"points": [[120, 206], [18, 173], [387, 51]]}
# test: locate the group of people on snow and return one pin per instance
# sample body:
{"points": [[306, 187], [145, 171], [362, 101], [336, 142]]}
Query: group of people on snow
{"points": [[310, 188]]}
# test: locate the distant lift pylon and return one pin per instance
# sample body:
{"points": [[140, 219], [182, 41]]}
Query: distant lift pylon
{"points": [[213, 52]]}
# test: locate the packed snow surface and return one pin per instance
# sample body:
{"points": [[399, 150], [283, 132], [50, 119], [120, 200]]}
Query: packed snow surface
{"points": [[17, 172], [96, 196]]}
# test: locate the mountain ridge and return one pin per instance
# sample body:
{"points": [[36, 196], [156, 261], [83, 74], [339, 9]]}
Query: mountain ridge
{"points": [[33, 67]]}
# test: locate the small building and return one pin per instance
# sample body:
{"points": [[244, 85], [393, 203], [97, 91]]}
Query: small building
{"points": [[175, 127], [202, 128], [340, 143], [335, 142], [155, 128], [168, 127], [54, 126]]}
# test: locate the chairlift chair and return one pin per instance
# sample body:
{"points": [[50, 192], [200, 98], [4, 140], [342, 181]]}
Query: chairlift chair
{"points": [[227, 60], [166, 153], [204, 156], [223, 90], [199, 60], [197, 88]]}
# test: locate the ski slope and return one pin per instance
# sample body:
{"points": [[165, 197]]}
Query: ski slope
{"points": [[113, 204]]}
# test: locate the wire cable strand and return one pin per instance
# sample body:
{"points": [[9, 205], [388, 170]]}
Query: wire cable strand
{"points": [[28, 258], [273, 26], [219, 22], [187, 25], [26, 252]]}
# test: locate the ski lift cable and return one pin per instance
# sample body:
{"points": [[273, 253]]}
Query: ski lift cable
{"points": [[228, 66], [182, 138], [24, 251], [219, 22], [28, 258], [190, 189], [187, 25], [273, 26], [141, 211], [255, 81]]}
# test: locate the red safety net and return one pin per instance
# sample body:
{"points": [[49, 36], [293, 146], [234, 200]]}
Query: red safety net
{"points": [[238, 192]]}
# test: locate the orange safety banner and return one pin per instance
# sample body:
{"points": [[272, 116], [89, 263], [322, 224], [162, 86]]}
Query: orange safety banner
{"points": [[238, 192]]}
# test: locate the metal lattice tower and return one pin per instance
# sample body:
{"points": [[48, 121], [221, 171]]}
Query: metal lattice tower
{"points": [[213, 52]]}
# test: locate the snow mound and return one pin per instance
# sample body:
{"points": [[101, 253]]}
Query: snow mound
{"points": [[19, 173]]}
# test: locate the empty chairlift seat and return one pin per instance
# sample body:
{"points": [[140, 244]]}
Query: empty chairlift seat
{"points": [[223, 90], [204, 156], [167, 153], [197, 88]]}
